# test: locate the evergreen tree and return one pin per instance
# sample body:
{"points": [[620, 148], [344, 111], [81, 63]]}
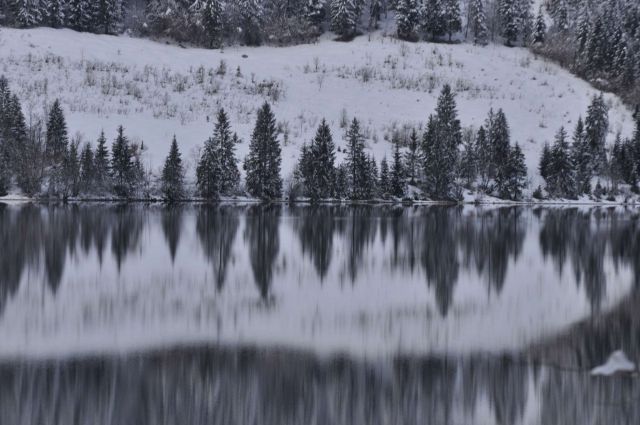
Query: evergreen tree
{"points": [[55, 12], [314, 12], [545, 162], [509, 16], [597, 126], [469, 162], [71, 170], [122, 166], [263, 162], [384, 183], [398, 185], [375, 13], [526, 21], [440, 144], [28, 13], [87, 169], [478, 21], [344, 18], [102, 164], [342, 182], [250, 14], [515, 175], [432, 18], [108, 15], [483, 157], [407, 16], [80, 15], [412, 157], [322, 164], [540, 28], [499, 140], [560, 181], [173, 174], [581, 159], [56, 147], [209, 171], [212, 23], [356, 162], [451, 20]]}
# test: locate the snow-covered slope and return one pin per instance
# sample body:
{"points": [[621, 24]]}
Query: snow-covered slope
{"points": [[157, 90]]}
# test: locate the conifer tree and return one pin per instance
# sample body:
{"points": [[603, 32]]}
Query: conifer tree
{"points": [[29, 13], [56, 147], [560, 181], [540, 28], [322, 164], [451, 20], [407, 16], [384, 183], [596, 128], [71, 170], [173, 174], [209, 171], [122, 166], [344, 18], [250, 14], [581, 159], [469, 162], [412, 157], [440, 144], [212, 23], [499, 140], [55, 12], [432, 18], [356, 162], [398, 184], [483, 157], [102, 165], [79, 15], [544, 167], [262, 165], [314, 12], [87, 169], [375, 13], [509, 17], [108, 15], [478, 21], [515, 175]]}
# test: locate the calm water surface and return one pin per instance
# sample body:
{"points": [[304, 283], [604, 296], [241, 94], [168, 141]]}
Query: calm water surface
{"points": [[331, 315]]}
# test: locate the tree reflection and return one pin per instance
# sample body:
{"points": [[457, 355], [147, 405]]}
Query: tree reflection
{"points": [[216, 229], [263, 241], [315, 228], [172, 227]]}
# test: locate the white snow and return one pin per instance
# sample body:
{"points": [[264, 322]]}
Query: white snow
{"points": [[618, 362], [157, 90]]}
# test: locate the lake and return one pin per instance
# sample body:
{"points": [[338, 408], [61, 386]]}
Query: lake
{"points": [[248, 314]]}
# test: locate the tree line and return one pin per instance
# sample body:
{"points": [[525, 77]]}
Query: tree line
{"points": [[570, 167]]}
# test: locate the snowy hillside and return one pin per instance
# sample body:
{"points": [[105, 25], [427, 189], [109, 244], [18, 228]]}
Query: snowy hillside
{"points": [[157, 90]]}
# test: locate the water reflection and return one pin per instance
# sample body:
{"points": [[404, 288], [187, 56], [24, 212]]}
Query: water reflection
{"points": [[382, 253]]}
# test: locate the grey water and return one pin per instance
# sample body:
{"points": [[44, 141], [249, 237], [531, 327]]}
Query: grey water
{"points": [[248, 314]]}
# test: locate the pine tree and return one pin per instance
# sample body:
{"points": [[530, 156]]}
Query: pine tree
{"points": [[432, 18], [71, 170], [375, 13], [499, 141], [515, 175], [79, 15], [173, 174], [322, 164], [469, 162], [314, 12], [344, 18], [108, 15], [452, 22], [384, 183], [526, 21], [483, 155], [226, 144], [412, 157], [102, 166], [122, 166], [29, 13], [440, 144], [212, 23], [540, 28], [262, 165], [356, 162], [544, 167], [509, 16], [56, 147], [250, 14], [478, 20], [581, 159], [87, 169], [209, 171], [597, 126], [55, 12], [560, 181], [407, 16], [398, 184]]}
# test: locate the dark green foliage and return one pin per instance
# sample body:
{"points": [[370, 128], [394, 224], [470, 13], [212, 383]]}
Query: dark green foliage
{"points": [[581, 159], [173, 174], [321, 165], [596, 128], [71, 170], [212, 22], [87, 169], [102, 166], [122, 166], [515, 175], [398, 184], [559, 171], [407, 17], [56, 148], [263, 162], [384, 183], [357, 163], [412, 157]]}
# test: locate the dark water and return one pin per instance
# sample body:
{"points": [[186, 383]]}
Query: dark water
{"points": [[332, 315]]}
